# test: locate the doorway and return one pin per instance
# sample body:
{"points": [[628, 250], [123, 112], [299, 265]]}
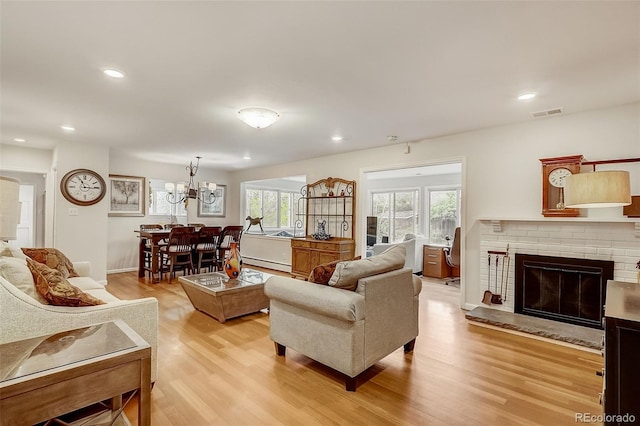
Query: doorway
{"points": [[30, 232], [424, 199]]}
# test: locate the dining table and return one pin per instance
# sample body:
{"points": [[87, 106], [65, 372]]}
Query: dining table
{"points": [[155, 236]]}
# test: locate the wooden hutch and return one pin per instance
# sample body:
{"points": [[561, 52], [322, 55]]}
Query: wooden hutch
{"points": [[330, 205]]}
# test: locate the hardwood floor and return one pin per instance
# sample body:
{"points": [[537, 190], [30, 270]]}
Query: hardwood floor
{"points": [[458, 374]]}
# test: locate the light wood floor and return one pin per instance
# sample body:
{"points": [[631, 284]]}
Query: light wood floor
{"points": [[458, 374]]}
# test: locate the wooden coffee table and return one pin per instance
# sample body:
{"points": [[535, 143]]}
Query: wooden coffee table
{"points": [[48, 376], [217, 295]]}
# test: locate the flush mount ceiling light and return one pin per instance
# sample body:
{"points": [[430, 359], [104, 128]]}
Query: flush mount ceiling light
{"points": [[19, 140], [337, 138], [113, 73], [526, 96], [67, 128], [257, 117]]}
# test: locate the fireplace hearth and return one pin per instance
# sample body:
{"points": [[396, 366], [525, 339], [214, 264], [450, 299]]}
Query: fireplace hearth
{"points": [[564, 289]]}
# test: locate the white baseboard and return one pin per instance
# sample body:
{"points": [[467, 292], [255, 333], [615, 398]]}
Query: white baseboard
{"points": [[117, 271], [266, 264]]}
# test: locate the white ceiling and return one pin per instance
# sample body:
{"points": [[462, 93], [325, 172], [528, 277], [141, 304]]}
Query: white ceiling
{"points": [[364, 70]]}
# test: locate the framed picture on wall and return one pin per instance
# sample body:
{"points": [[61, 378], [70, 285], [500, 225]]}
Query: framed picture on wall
{"points": [[218, 207], [126, 195]]}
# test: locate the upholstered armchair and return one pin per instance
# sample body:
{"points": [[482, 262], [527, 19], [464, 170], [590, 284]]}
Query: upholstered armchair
{"points": [[347, 330]]}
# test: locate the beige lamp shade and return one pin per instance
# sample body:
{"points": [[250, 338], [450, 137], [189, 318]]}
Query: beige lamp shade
{"points": [[9, 208], [598, 189]]}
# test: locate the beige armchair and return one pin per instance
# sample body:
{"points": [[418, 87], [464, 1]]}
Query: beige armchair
{"points": [[348, 331]]}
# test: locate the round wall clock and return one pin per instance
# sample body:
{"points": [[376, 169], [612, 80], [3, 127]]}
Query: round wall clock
{"points": [[554, 172], [83, 187]]}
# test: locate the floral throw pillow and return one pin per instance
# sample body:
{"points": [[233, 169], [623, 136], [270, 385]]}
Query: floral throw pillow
{"points": [[56, 289], [53, 258], [321, 274]]}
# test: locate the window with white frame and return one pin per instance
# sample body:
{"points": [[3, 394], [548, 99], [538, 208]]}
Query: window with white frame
{"points": [[444, 213], [159, 204], [276, 207], [398, 213]]}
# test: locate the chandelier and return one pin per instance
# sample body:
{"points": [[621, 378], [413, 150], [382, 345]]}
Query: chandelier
{"points": [[204, 193]]}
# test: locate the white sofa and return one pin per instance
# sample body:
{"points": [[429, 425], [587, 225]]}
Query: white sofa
{"points": [[23, 316], [413, 246]]}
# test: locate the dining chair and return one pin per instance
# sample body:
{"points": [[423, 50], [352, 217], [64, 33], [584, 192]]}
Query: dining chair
{"points": [[172, 225], [207, 247], [148, 246], [177, 254], [230, 233]]}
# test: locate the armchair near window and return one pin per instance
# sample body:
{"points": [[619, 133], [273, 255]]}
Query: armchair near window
{"points": [[413, 245]]}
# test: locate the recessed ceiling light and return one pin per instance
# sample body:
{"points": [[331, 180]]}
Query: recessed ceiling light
{"points": [[19, 140], [67, 128], [246, 157], [113, 73], [336, 138], [526, 96]]}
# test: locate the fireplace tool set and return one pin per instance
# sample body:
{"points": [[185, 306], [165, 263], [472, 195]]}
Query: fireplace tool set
{"points": [[503, 259]]}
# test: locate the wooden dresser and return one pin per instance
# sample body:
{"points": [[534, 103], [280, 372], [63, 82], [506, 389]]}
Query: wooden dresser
{"points": [[307, 253], [434, 263], [621, 349]]}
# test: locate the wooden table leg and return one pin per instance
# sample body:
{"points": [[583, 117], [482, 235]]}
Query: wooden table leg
{"points": [[155, 266], [144, 403], [143, 242]]}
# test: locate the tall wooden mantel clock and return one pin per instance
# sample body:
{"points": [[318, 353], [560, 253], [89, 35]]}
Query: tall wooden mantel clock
{"points": [[554, 172]]}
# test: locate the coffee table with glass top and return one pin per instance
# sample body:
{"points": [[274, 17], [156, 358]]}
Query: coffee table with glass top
{"points": [[223, 298]]}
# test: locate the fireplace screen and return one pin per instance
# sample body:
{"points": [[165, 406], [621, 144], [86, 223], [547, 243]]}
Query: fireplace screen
{"points": [[563, 289]]}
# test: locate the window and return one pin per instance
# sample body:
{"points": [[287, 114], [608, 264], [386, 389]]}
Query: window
{"points": [[397, 213], [275, 206], [444, 214], [158, 203]]}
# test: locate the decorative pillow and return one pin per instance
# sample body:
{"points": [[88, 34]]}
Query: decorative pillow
{"points": [[7, 251], [53, 258], [321, 274], [56, 289], [17, 273], [348, 273]]}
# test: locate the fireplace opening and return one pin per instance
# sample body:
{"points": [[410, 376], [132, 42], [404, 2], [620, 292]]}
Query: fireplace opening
{"points": [[563, 289]]}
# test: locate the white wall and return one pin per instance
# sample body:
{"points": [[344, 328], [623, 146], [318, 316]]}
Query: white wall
{"points": [[81, 236], [501, 167]]}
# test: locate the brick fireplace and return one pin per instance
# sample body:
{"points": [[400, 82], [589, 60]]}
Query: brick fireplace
{"points": [[580, 238]]}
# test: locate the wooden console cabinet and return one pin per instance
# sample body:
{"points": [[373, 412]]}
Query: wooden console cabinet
{"points": [[326, 213], [434, 264], [622, 346], [307, 253]]}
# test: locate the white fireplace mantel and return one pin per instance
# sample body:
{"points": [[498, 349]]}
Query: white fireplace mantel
{"points": [[496, 223]]}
